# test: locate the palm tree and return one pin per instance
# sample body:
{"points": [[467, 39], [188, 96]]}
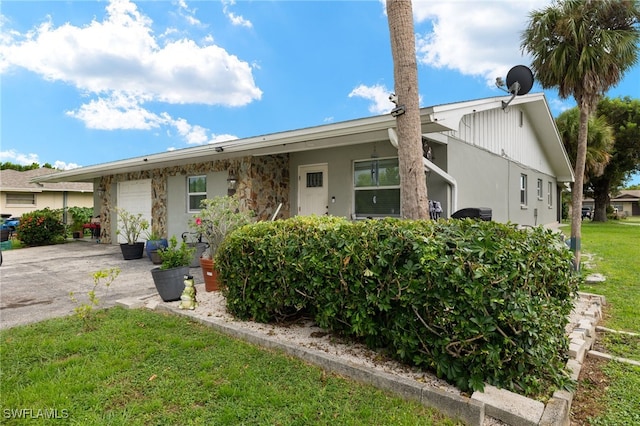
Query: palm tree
{"points": [[413, 186], [582, 47], [599, 141]]}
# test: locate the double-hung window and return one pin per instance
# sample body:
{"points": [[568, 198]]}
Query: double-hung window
{"points": [[523, 190], [376, 185], [539, 188], [196, 192]]}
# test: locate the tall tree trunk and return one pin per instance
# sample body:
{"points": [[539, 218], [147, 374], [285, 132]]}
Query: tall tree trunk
{"points": [[576, 195], [601, 199], [413, 187]]}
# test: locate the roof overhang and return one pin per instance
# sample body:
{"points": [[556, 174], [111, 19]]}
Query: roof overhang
{"points": [[365, 130]]}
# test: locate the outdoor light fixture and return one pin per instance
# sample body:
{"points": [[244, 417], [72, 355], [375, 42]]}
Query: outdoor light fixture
{"points": [[100, 191], [219, 149], [399, 110], [232, 182]]}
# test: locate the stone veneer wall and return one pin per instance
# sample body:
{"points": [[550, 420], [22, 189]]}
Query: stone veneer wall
{"points": [[263, 183]]}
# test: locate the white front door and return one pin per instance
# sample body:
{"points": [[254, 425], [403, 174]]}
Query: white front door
{"points": [[313, 190], [135, 197]]}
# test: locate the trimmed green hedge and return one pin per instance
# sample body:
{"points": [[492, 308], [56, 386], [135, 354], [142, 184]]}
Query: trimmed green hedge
{"points": [[476, 302]]}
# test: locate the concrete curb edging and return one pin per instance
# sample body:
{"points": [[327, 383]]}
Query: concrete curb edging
{"points": [[506, 406]]}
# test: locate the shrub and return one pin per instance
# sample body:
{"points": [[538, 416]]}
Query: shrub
{"points": [[476, 302], [41, 227], [174, 255]]}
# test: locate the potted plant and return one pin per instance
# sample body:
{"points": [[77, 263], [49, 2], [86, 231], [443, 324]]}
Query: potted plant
{"points": [[169, 276], [154, 243], [195, 240], [131, 226], [218, 217], [80, 216]]}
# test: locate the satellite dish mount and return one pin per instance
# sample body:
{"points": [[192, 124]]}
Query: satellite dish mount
{"points": [[519, 82]]}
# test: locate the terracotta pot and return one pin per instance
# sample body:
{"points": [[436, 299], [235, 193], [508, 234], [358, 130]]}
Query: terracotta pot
{"points": [[210, 275]]}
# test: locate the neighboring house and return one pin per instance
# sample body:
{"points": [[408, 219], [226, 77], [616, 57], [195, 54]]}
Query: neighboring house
{"points": [[626, 203], [479, 155], [19, 194]]}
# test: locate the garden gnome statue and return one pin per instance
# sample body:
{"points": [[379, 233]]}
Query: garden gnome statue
{"points": [[188, 298]]}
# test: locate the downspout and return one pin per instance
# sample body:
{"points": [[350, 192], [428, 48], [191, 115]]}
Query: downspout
{"points": [[429, 166]]}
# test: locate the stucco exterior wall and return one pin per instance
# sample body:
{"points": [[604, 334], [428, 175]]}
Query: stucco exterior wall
{"points": [[489, 180], [49, 199], [263, 182]]}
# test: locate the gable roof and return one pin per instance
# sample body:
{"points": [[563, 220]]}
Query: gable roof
{"points": [[434, 119], [627, 195], [23, 181]]}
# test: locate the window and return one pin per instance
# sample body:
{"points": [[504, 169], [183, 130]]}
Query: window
{"points": [[550, 194], [523, 190], [21, 199], [377, 187], [539, 189], [196, 192]]}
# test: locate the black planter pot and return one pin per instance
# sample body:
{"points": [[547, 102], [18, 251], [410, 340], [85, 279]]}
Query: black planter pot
{"points": [[169, 282], [132, 251]]}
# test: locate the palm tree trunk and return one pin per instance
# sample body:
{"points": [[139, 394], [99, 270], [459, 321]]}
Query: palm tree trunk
{"points": [[577, 193], [413, 187]]}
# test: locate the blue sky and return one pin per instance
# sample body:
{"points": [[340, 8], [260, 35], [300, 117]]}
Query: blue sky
{"points": [[87, 82]]}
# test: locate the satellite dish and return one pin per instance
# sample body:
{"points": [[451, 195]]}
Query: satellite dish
{"points": [[521, 75], [519, 82]]}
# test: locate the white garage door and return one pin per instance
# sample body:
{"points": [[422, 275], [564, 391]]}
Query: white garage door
{"points": [[135, 197]]}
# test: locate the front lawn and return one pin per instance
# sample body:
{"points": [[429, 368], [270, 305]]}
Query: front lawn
{"points": [[137, 367]]}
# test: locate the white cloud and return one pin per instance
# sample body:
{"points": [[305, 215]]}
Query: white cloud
{"points": [[18, 158], [233, 18], [120, 61], [476, 38], [378, 94], [12, 156], [61, 165]]}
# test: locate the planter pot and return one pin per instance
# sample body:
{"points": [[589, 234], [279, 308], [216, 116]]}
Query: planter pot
{"points": [[78, 234], [210, 275], [200, 248], [155, 245], [132, 251], [155, 257], [169, 282]]}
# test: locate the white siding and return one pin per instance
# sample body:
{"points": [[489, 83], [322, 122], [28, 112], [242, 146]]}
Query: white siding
{"points": [[500, 132]]}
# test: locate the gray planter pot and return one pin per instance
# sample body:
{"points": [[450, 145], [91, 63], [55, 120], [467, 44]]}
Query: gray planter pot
{"points": [[200, 248], [169, 282]]}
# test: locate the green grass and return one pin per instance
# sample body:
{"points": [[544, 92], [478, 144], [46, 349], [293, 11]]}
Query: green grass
{"points": [[616, 249], [137, 367], [615, 246]]}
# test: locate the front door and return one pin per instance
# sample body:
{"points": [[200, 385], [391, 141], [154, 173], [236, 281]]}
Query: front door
{"points": [[313, 190]]}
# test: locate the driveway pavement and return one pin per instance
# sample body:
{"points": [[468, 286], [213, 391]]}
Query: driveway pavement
{"points": [[35, 282]]}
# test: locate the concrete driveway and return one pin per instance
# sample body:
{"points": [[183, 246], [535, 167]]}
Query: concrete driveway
{"points": [[35, 282]]}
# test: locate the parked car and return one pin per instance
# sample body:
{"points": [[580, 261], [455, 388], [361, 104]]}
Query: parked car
{"points": [[586, 212]]}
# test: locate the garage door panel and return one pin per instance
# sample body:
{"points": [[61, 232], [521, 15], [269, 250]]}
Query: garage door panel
{"points": [[135, 197]]}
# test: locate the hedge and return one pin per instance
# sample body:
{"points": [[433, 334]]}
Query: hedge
{"points": [[476, 302]]}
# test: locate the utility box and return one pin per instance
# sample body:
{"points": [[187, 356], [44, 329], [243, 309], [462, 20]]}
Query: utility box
{"points": [[480, 213]]}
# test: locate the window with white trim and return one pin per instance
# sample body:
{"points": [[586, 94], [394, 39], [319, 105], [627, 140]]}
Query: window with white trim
{"points": [[539, 187], [550, 194], [21, 199], [523, 190], [376, 184], [196, 192]]}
